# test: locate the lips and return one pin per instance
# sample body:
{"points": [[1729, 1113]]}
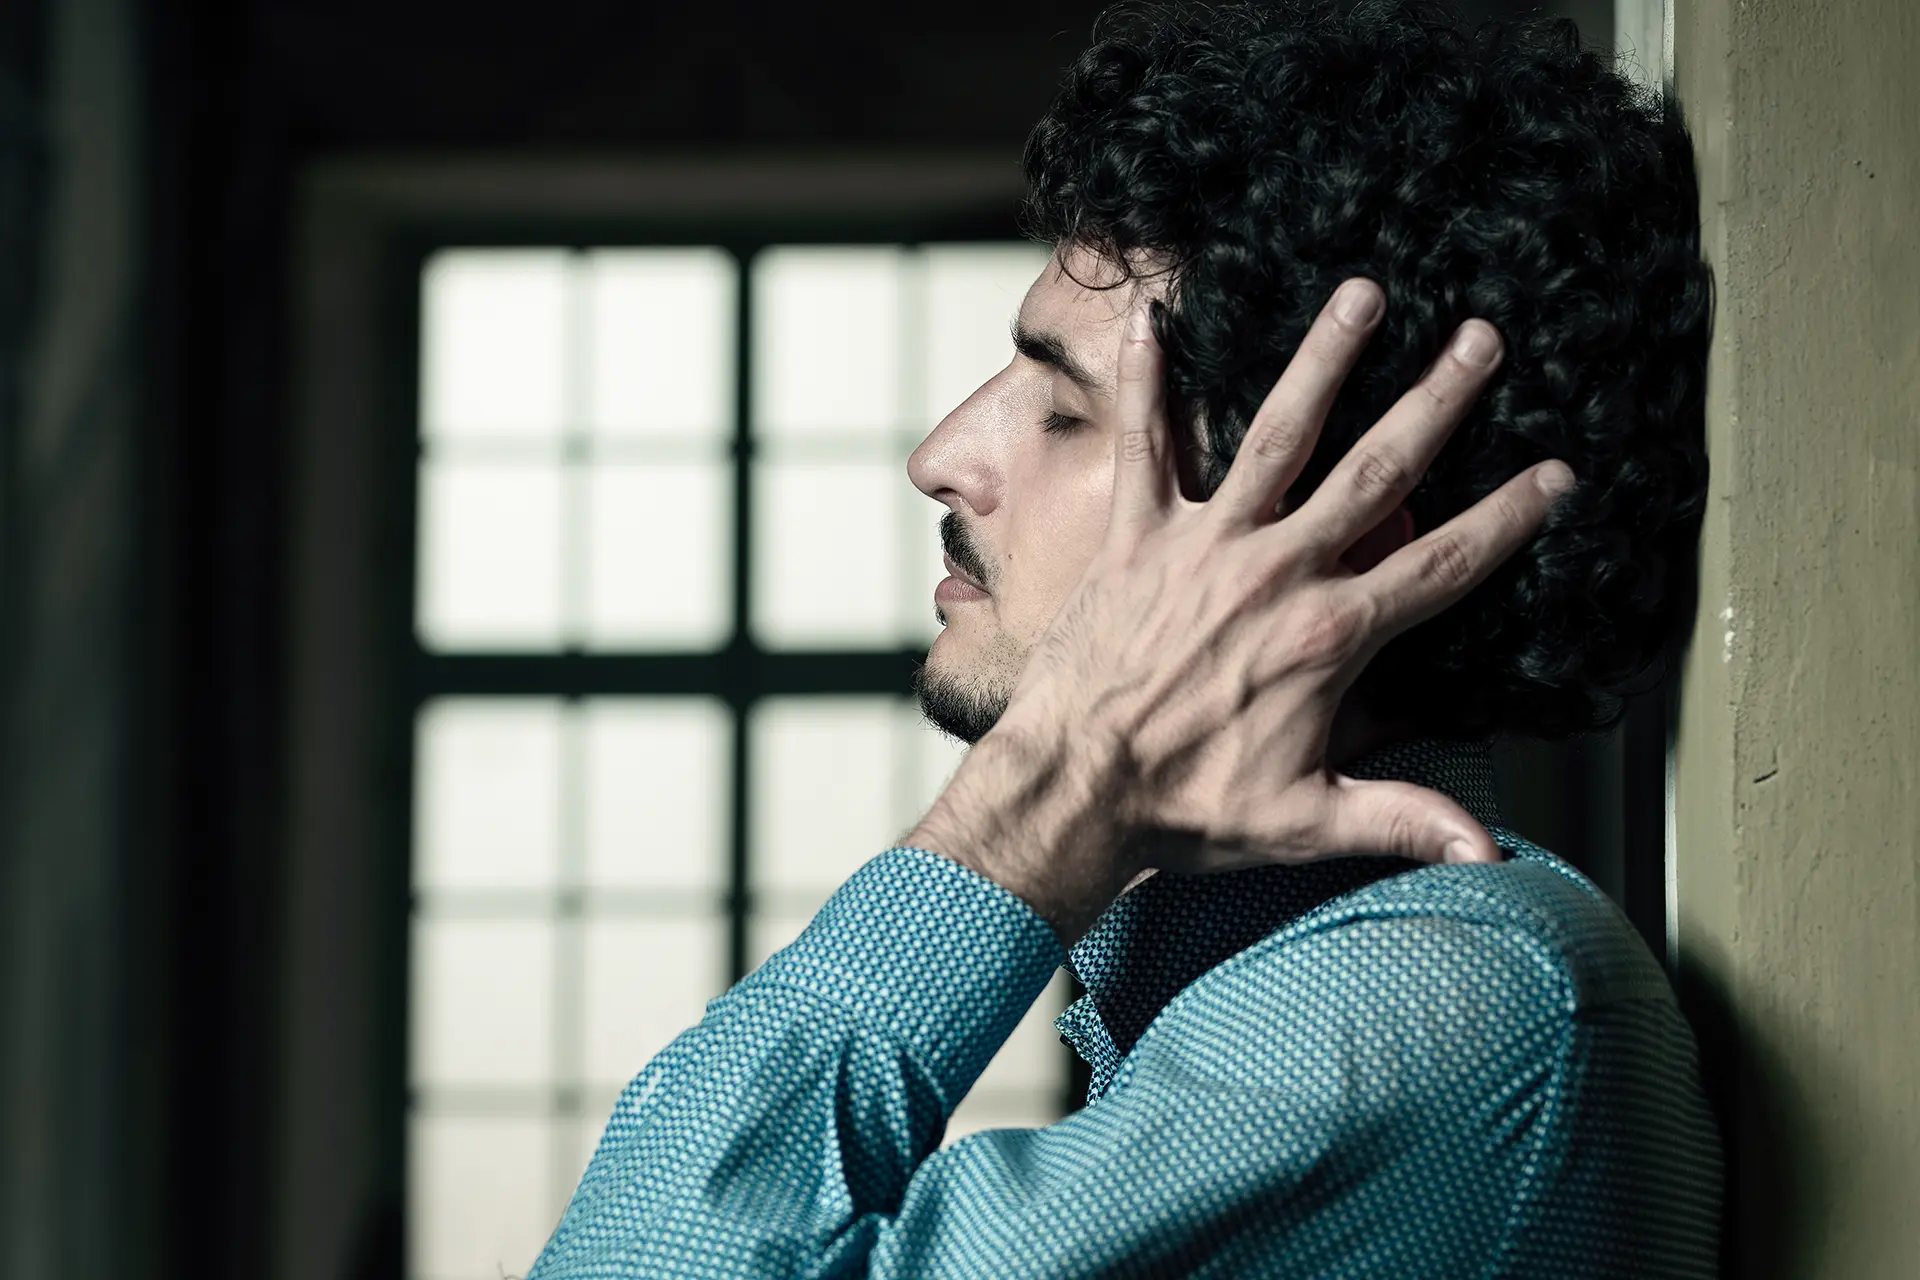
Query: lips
{"points": [[962, 574]]}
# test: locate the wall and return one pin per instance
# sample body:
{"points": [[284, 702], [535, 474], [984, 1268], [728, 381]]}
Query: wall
{"points": [[1798, 814], [73, 1000]]}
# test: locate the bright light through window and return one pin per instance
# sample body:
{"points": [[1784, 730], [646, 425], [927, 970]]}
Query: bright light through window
{"points": [[584, 810]]}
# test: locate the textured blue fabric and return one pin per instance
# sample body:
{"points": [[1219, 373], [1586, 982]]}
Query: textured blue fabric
{"points": [[1361, 1067]]}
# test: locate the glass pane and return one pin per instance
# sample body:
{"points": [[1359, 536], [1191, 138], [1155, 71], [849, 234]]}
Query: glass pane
{"points": [[922, 567], [822, 800], [479, 1199], [661, 340], [493, 332], [487, 793], [772, 929], [972, 293], [826, 554], [827, 339], [928, 759], [659, 556], [489, 552], [658, 774], [482, 1001], [647, 981]]}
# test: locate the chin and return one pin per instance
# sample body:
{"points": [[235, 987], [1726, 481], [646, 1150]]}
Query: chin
{"points": [[962, 707]]}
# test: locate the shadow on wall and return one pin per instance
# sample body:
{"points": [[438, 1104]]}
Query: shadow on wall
{"points": [[1777, 1160]]}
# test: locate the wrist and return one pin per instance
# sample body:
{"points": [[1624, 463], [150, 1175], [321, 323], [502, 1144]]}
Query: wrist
{"points": [[1038, 810]]}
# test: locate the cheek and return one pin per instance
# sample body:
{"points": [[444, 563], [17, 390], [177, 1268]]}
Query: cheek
{"points": [[1059, 498]]}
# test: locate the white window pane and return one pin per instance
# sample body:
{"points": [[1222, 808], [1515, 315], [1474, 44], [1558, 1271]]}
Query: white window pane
{"points": [[661, 344], [479, 1199], [646, 982], [489, 551], [771, 930], [658, 775], [972, 292], [826, 554], [659, 556], [487, 793], [823, 790], [929, 759], [923, 568], [826, 333], [482, 1001], [493, 342]]}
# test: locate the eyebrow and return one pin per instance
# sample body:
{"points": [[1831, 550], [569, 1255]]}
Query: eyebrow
{"points": [[1046, 348]]}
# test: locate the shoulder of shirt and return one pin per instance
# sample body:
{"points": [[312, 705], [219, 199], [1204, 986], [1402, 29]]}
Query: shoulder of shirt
{"points": [[1532, 910]]}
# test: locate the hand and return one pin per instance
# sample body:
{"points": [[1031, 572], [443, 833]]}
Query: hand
{"points": [[1189, 682]]}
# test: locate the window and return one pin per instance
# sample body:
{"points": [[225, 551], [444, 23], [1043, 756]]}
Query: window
{"points": [[670, 579]]}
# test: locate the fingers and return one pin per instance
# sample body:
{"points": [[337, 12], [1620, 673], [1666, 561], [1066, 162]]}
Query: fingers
{"points": [[1403, 819], [1434, 571], [1145, 480], [1281, 436], [1384, 465]]}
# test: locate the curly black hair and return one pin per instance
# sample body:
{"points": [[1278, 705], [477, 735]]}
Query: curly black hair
{"points": [[1264, 153]]}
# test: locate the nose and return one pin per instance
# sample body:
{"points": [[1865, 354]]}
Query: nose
{"points": [[955, 464]]}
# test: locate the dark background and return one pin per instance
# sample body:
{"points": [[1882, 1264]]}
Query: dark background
{"points": [[150, 159]]}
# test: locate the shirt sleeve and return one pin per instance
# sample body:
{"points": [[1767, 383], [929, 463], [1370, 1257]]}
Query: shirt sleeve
{"points": [[794, 1131]]}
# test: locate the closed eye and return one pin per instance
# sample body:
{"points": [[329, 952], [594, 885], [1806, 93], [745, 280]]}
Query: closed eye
{"points": [[1060, 424]]}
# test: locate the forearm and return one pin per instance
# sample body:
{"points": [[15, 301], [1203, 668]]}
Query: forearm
{"points": [[1038, 810]]}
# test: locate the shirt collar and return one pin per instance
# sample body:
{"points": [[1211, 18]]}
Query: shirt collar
{"points": [[1170, 929]]}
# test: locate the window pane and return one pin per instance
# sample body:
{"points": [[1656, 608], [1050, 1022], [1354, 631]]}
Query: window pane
{"points": [[826, 554], [493, 342], [661, 344], [647, 981], [487, 793], [822, 800], [489, 552], [482, 1001], [929, 759], [827, 339], [658, 773], [972, 293], [923, 568], [659, 556], [479, 1196]]}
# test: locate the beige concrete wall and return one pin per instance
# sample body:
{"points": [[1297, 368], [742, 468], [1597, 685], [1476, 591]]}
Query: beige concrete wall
{"points": [[1798, 812]]}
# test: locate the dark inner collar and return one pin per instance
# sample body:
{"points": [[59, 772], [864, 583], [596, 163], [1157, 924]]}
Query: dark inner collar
{"points": [[1170, 929]]}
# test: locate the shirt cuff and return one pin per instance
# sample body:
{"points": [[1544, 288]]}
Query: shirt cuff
{"points": [[941, 957]]}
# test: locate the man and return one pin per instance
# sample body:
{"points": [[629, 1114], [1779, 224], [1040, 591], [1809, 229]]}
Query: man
{"points": [[1209, 633]]}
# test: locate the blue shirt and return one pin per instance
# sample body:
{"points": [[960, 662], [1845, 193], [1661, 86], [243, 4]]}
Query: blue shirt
{"points": [[1359, 1067]]}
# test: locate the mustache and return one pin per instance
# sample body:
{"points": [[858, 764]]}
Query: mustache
{"points": [[960, 549]]}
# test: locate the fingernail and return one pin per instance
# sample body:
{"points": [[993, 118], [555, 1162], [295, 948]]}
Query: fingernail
{"points": [[1140, 326], [1554, 479], [1476, 344], [1460, 851], [1357, 304]]}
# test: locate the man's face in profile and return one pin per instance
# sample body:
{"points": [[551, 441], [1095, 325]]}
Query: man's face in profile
{"points": [[1025, 469]]}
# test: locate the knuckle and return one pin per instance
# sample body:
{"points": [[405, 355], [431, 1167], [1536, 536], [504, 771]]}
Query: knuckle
{"points": [[1333, 627], [1276, 440], [1447, 563], [1379, 474], [1137, 446]]}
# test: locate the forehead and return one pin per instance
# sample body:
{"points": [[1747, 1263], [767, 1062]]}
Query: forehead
{"points": [[1084, 300]]}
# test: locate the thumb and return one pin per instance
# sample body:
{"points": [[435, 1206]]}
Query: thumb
{"points": [[1406, 820]]}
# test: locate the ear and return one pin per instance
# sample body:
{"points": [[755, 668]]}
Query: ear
{"points": [[1381, 541]]}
